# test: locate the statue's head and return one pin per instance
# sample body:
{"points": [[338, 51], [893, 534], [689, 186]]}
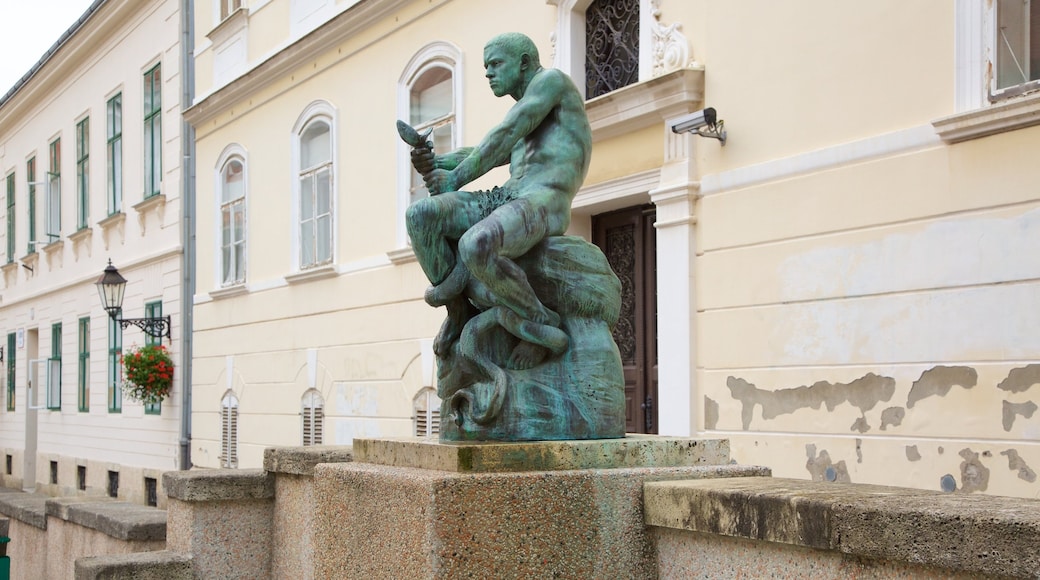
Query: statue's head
{"points": [[511, 61]]}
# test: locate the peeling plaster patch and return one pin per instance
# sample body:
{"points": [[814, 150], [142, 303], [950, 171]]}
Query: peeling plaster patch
{"points": [[947, 483], [822, 469], [860, 425], [938, 381], [1012, 410], [892, 416], [1016, 462], [859, 451], [863, 393], [974, 475], [711, 414], [912, 454], [1021, 379]]}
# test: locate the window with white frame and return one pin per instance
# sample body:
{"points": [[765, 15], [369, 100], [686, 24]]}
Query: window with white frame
{"points": [[233, 221], [314, 149], [427, 413], [54, 193], [313, 412], [229, 430], [1017, 43], [229, 6], [114, 152], [430, 98]]}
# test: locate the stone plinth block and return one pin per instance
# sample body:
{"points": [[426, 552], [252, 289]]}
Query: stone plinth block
{"points": [[480, 457], [382, 521]]}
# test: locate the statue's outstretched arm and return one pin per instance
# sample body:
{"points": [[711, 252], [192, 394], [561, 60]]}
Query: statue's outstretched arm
{"points": [[541, 96]]}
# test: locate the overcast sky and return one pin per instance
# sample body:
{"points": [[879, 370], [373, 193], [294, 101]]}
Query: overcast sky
{"points": [[27, 29]]}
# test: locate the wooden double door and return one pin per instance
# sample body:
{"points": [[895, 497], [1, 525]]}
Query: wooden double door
{"points": [[628, 239]]}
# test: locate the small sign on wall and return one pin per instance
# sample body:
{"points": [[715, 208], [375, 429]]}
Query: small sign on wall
{"points": [[21, 338]]}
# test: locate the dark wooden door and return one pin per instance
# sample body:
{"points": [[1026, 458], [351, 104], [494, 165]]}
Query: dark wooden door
{"points": [[628, 239]]}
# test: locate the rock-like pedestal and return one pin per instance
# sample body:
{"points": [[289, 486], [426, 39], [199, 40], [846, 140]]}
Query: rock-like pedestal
{"points": [[418, 508]]}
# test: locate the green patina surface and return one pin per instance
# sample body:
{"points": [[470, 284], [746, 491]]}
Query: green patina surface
{"points": [[526, 351]]}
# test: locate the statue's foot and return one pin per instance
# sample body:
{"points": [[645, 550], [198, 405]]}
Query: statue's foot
{"points": [[527, 355], [450, 288], [550, 338]]}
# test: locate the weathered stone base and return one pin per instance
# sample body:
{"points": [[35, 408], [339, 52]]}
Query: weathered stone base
{"points": [[372, 519]]}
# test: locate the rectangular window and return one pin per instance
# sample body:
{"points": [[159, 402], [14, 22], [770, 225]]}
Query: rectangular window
{"points": [[152, 310], [10, 218], [54, 370], [115, 154], [83, 372], [81, 477], [229, 6], [152, 131], [1017, 42], [115, 367], [82, 174], [54, 193], [30, 178], [233, 223], [10, 357], [113, 484]]}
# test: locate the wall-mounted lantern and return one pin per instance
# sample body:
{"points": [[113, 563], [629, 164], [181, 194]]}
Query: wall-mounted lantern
{"points": [[111, 286]]}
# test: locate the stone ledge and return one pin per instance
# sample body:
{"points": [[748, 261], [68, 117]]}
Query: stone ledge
{"points": [[301, 460], [116, 519], [218, 484], [487, 457], [136, 566], [27, 508], [972, 533]]}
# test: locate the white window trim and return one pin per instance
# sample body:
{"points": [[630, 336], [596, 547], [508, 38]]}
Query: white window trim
{"points": [[230, 444], [436, 54], [569, 38], [978, 110], [232, 151], [323, 111]]}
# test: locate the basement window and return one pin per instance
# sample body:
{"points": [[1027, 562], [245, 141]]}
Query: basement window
{"points": [[113, 484]]}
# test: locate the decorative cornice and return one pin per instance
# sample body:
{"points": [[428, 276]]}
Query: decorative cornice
{"points": [[1015, 113], [322, 39], [646, 103]]}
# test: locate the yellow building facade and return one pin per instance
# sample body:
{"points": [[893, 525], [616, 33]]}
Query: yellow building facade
{"points": [[846, 289]]}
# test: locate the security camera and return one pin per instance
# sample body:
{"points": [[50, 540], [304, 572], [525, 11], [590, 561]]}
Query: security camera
{"points": [[693, 121], [704, 123]]}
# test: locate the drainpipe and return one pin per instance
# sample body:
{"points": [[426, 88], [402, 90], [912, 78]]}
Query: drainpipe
{"points": [[188, 224]]}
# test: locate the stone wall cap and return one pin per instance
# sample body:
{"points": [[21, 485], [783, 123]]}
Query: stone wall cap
{"points": [[117, 519], [301, 460], [27, 508], [59, 506], [974, 533], [158, 564], [218, 484], [498, 457]]}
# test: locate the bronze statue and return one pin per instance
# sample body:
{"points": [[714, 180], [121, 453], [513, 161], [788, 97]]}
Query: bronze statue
{"points": [[526, 350]]}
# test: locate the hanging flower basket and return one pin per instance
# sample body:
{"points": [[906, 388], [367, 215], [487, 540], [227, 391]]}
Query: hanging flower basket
{"points": [[147, 374]]}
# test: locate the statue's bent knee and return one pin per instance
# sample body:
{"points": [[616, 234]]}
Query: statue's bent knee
{"points": [[476, 247]]}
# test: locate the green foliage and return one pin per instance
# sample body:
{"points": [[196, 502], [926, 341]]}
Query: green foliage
{"points": [[147, 374]]}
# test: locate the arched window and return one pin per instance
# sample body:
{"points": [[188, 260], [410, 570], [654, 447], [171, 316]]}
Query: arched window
{"points": [[229, 430], [232, 236], [313, 411], [427, 413], [430, 90], [314, 149]]}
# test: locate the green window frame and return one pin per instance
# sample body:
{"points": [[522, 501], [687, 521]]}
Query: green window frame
{"points": [[54, 397], [54, 193], [115, 366], [83, 370], [10, 356], [10, 217], [153, 310], [83, 173], [30, 179], [152, 131], [114, 170]]}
